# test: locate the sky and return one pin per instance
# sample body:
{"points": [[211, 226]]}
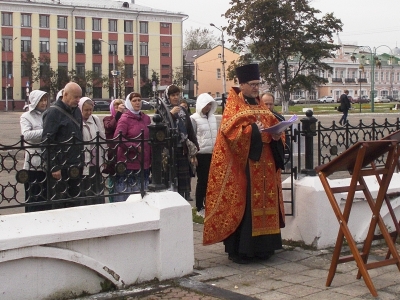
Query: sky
{"points": [[366, 22]]}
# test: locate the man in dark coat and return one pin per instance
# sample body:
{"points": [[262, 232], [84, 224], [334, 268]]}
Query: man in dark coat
{"points": [[61, 122], [345, 106]]}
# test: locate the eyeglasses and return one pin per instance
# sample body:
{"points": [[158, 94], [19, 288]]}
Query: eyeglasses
{"points": [[253, 84]]}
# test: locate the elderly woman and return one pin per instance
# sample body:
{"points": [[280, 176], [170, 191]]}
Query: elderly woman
{"points": [[92, 183], [117, 108], [31, 128], [130, 126], [186, 140]]}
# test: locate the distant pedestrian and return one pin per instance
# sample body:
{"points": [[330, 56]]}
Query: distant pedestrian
{"points": [[186, 106], [344, 106]]}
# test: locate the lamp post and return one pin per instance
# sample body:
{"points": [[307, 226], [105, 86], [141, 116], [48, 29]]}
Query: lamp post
{"points": [[374, 61], [360, 69], [6, 69], [113, 72], [223, 66]]}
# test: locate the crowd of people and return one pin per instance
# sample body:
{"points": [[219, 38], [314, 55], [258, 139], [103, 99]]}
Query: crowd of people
{"points": [[238, 189]]}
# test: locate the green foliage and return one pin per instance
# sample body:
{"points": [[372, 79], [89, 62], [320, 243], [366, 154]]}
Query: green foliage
{"points": [[287, 38], [107, 286], [146, 90], [198, 38]]}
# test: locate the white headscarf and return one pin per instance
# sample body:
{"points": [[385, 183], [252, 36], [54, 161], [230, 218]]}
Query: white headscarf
{"points": [[129, 106]]}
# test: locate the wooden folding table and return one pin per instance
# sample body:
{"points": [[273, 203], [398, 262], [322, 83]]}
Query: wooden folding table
{"points": [[357, 161]]}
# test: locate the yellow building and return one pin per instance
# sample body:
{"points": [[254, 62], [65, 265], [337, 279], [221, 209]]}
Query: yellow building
{"points": [[208, 71], [86, 35]]}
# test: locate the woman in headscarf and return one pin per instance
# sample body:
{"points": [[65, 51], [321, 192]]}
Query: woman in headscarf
{"points": [[187, 146], [92, 180], [117, 108], [130, 126], [31, 128]]}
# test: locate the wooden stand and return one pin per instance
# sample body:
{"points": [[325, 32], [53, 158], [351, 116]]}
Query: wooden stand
{"points": [[355, 160]]}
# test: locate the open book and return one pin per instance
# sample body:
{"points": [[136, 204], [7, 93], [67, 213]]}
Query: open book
{"points": [[281, 126]]}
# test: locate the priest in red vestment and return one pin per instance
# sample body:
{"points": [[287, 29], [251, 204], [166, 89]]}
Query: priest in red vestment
{"points": [[244, 205]]}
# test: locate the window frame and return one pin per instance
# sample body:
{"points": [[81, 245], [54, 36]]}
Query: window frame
{"points": [[26, 20], [143, 27], [9, 18], [126, 29], [96, 24], [62, 22], [112, 25], [44, 19], [79, 23]]}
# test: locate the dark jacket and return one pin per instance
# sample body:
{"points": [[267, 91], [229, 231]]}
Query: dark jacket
{"points": [[344, 102], [58, 128]]}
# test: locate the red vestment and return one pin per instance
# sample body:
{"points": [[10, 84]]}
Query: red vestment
{"points": [[227, 181]]}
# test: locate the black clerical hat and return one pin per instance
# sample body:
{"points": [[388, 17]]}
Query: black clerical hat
{"points": [[247, 73]]}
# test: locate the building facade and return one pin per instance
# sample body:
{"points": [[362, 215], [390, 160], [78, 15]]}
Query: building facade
{"points": [[83, 35]]}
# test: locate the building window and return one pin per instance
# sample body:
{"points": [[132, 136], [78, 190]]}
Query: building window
{"points": [[44, 21], [112, 25], [165, 54], [6, 43], [144, 49], [26, 69], [144, 27], [44, 45], [25, 20], [128, 48], [128, 71], [165, 45], [25, 45], [218, 73], [96, 24], [112, 48], [80, 69], [382, 76], [165, 67], [80, 23], [144, 71], [79, 46], [62, 22], [166, 76], [6, 19], [97, 92], [165, 25], [62, 46], [219, 55], [128, 26], [96, 46], [9, 68], [97, 69]]}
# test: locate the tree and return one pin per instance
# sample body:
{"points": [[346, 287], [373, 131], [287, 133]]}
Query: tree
{"points": [[30, 67], [198, 38], [52, 80], [182, 76], [120, 80], [146, 90], [287, 39]]}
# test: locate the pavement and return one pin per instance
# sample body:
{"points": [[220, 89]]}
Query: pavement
{"points": [[292, 273]]}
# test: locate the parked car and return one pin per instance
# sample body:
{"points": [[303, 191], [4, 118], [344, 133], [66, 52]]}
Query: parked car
{"points": [[146, 105], [391, 98], [218, 100], [300, 100], [191, 102], [381, 99], [326, 99], [364, 99], [100, 105]]}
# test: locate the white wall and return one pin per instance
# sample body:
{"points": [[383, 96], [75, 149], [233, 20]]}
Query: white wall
{"points": [[62, 253]]}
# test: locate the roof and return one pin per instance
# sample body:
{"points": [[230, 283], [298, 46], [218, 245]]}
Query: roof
{"points": [[100, 4], [191, 55]]}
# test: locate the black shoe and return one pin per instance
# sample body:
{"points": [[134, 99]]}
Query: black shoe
{"points": [[239, 259], [264, 255]]}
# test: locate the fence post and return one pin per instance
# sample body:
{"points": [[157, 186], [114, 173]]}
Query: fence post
{"points": [[158, 135], [309, 131]]}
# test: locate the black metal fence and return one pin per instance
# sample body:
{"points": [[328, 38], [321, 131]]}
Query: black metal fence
{"points": [[28, 170]]}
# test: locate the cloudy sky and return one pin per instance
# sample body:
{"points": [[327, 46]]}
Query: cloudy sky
{"points": [[366, 22]]}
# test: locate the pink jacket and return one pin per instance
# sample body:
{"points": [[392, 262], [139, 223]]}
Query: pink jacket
{"points": [[130, 126]]}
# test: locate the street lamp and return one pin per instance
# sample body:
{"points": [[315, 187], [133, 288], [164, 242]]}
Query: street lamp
{"points": [[6, 69], [374, 62], [113, 72], [360, 69], [223, 66]]}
